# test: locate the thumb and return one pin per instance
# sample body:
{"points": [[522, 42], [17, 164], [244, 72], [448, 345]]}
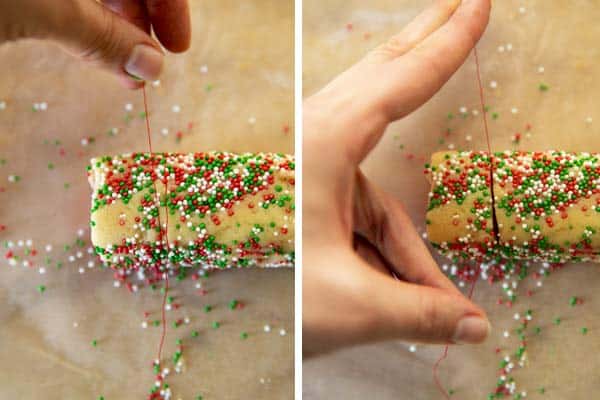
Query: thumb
{"points": [[426, 314], [94, 33]]}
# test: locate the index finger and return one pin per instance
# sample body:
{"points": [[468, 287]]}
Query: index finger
{"points": [[171, 23], [423, 71]]}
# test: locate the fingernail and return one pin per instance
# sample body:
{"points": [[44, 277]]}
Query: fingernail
{"points": [[145, 62], [471, 330]]}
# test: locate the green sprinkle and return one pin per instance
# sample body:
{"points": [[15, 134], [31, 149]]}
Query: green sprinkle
{"points": [[584, 330], [50, 166], [41, 288], [195, 334], [542, 390], [94, 343], [543, 87], [557, 321], [573, 301], [216, 324], [233, 304], [244, 335], [207, 308]]}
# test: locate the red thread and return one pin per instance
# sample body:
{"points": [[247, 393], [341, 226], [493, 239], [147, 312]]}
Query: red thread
{"points": [[444, 355], [166, 274]]}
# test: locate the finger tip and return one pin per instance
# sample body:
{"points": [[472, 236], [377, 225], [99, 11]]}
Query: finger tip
{"points": [[472, 329], [130, 83]]}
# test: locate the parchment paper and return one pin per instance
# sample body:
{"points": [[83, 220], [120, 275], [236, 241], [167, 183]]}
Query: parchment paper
{"points": [[235, 87], [523, 35]]}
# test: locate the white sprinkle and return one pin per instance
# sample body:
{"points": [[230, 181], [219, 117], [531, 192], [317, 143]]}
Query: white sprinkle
{"points": [[80, 232], [43, 106], [42, 270], [144, 324], [588, 120], [20, 243], [176, 108], [251, 120], [84, 142], [267, 328], [81, 270], [168, 307], [128, 107], [451, 146], [117, 284], [2, 105], [164, 131], [12, 178], [28, 242], [75, 324], [506, 334], [475, 112], [469, 138], [493, 84], [282, 332], [412, 348], [204, 69], [514, 110], [500, 49], [463, 110], [48, 248], [522, 10], [509, 47], [156, 83], [541, 69]]}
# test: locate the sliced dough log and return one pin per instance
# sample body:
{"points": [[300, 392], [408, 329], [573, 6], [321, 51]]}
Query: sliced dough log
{"points": [[214, 210], [547, 205]]}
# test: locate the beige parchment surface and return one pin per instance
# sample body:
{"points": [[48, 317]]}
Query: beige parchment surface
{"points": [[560, 36], [242, 100]]}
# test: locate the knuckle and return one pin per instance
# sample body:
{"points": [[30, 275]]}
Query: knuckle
{"points": [[393, 47], [103, 43], [429, 65], [428, 319]]}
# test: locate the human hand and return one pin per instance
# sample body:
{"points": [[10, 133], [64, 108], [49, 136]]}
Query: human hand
{"points": [[355, 234], [113, 34]]}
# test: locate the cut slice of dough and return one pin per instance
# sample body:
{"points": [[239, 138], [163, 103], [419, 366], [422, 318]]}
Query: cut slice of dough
{"points": [[459, 216]]}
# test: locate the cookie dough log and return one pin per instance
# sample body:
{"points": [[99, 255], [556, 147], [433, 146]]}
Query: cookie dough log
{"points": [[211, 210], [548, 205], [459, 215]]}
